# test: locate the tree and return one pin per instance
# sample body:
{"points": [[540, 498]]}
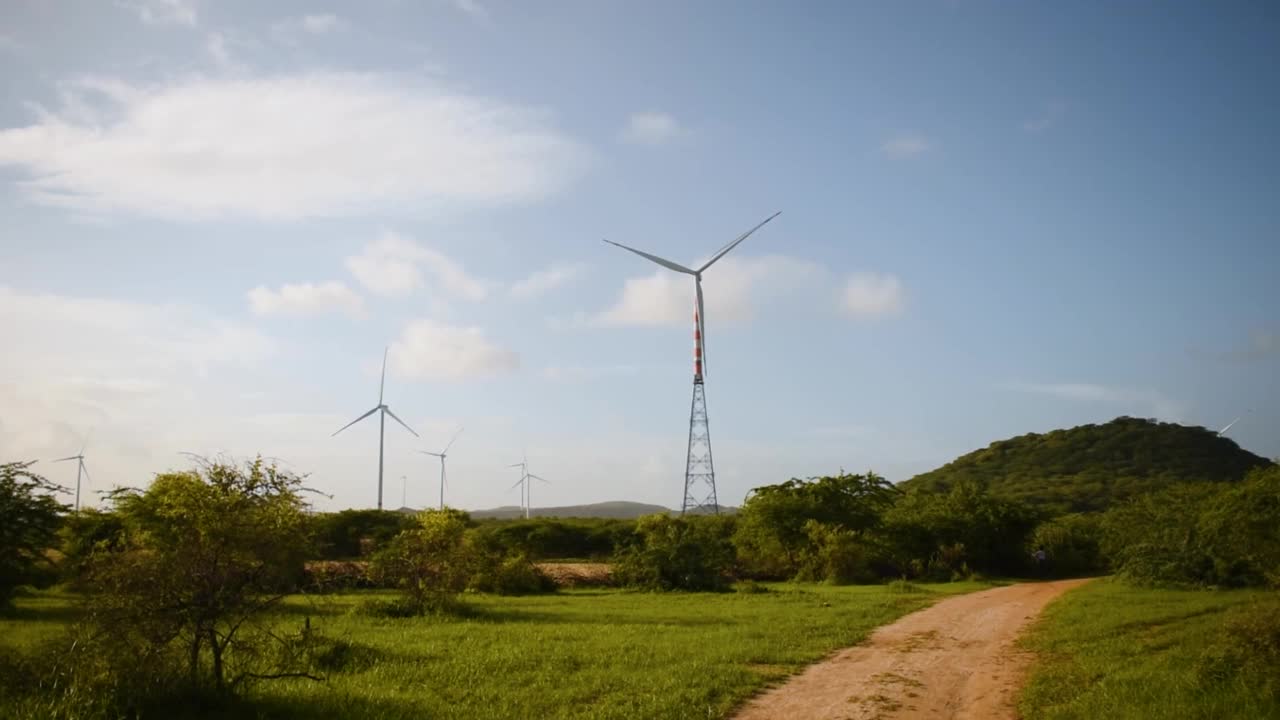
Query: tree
{"points": [[205, 554], [29, 521], [430, 563], [693, 552], [772, 535]]}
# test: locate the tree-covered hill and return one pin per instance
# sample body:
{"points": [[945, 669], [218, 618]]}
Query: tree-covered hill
{"points": [[1092, 466]]}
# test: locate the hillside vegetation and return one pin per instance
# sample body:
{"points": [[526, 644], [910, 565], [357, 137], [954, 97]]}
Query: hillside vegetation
{"points": [[1091, 467]]}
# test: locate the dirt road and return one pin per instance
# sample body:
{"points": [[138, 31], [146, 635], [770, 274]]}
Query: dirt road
{"points": [[956, 659]]}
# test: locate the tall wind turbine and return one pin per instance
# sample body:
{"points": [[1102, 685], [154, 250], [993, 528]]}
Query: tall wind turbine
{"points": [[699, 474], [526, 497], [80, 469], [383, 411], [442, 455]]}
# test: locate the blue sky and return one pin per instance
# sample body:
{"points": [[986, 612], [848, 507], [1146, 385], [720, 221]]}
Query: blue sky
{"points": [[997, 218]]}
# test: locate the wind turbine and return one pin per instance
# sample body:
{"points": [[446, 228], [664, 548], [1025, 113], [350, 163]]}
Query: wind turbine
{"points": [[699, 468], [442, 455], [1233, 422], [383, 411], [526, 496], [80, 469]]}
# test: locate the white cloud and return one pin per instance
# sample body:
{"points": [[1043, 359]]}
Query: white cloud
{"points": [[472, 8], [305, 299], [394, 265], [667, 298], [906, 145], [579, 373], [1050, 114], [216, 44], [871, 295], [542, 281], [651, 128], [321, 24], [284, 147], [428, 350], [1136, 401], [162, 12]]}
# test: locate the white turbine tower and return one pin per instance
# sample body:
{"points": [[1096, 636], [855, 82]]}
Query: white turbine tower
{"points": [[442, 455], [700, 474], [383, 411], [81, 470], [526, 496]]}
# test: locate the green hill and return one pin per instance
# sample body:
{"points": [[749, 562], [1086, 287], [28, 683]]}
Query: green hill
{"points": [[1092, 466], [620, 509]]}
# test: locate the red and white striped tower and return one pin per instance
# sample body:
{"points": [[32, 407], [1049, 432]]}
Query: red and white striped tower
{"points": [[699, 473]]}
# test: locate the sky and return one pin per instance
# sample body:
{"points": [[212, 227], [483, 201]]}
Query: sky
{"points": [[997, 218]]}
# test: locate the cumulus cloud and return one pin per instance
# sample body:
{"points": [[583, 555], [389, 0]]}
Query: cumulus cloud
{"points": [[730, 289], [429, 350], [285, 147], [906, 145], [394, 265], [1141, 402], [305, 299], [321, 24], [542, 281], [651, 128], [871, 295], [162, 12]]}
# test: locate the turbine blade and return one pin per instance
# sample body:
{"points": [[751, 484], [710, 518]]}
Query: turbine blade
{"points": [[85, 444], [455, 437], [661, 261], [1228, 427], [536, 477], [387, 410], [84, 469], [428, 452], [518, 484], [383, 385], [734, 244], [516, 465], [353, 422], [73, 457]]}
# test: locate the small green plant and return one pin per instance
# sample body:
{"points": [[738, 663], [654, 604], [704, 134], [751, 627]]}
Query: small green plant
{"points": [[430, 563]]}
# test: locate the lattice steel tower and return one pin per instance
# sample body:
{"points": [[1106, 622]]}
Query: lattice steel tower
{"points": [[699, 472]]}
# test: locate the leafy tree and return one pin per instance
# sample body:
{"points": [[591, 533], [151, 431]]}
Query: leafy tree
{"points": [[694, 552], [86, 533], [430, 563], [353, 533], [29, 521], [966, 526], [1071, 543], [772, 534], [205, 555]]}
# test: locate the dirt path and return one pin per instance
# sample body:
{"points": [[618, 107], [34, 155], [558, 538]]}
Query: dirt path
{"points": [[955, 659]]}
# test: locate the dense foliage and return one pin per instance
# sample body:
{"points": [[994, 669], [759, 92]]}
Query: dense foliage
{"points": [[1091, 467], [693, 552], [429, 563], [29, 521], [1203, 534], [351, 534]]}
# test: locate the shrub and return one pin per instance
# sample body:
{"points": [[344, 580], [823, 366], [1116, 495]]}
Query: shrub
{"points": [[31, 517], [835, 555], [513, 575], [1071, 545], [430, 563], [678, 553]]}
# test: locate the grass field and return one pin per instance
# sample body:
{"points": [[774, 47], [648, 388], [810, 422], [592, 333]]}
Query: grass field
{"points": [[1107, 650], [576, 654]]}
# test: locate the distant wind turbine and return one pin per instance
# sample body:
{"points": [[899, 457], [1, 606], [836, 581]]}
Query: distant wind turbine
{"points": [[383, 411], [442, 455], [1233, 422], [526, 497], [80, 468]]}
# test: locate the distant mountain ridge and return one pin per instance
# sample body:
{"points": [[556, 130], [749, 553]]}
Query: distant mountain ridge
{"points": [[1090, 467], [617, 509]]}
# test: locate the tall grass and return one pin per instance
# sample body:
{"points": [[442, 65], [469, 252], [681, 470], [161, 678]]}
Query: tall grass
{"points": [[1108, 650], [577, 654]]}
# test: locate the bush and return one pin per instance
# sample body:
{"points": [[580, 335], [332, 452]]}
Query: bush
{"points": [[513, 575], [678, 553], [1071, 545], [835, 555], [430, 563]]}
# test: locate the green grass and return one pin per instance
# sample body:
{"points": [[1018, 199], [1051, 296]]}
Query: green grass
{"points": [[1108, 650], [577, 654]]}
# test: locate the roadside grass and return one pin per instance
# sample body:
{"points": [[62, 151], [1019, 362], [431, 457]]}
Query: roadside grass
{"points": [[1109, 650], [575, 654]]}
